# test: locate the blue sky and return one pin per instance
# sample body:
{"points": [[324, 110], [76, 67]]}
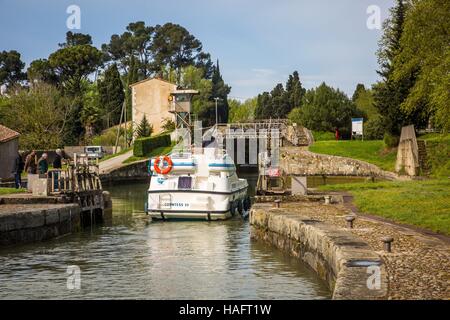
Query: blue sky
{"points": [[258, 42]]}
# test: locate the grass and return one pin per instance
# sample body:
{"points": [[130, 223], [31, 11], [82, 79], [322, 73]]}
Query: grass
{"points": [[109, 156], [438, 153], [4, 191], [421, 203], [155, 152], [372, 151]]}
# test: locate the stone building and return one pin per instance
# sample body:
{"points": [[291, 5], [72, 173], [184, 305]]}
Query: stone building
{"points": [[9, 146], [152, 98]]}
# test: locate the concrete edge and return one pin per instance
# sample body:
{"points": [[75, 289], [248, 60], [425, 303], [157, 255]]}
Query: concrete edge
{"points": [[343, 260]]}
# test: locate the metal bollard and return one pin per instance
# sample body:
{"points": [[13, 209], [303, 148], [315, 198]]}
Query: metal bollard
{"points": [[387, 243], [277, 203], [350, 220]]}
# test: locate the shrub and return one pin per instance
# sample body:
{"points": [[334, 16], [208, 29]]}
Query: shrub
{"points": [[144, 146], [323, 136], [390, 140], [373, 129]]}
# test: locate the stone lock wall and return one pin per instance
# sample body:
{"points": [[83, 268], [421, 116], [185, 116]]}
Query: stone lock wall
{"points": [[296, 161], [338, 257]]}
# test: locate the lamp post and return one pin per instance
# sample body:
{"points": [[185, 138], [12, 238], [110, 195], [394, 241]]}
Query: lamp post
{"points": [[217, 99]]}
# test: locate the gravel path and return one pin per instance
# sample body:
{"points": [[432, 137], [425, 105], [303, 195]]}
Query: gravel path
{"points": [[418, 266]]}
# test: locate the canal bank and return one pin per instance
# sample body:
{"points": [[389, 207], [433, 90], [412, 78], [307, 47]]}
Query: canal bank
{"points": [[26, 218], [417, 267]]}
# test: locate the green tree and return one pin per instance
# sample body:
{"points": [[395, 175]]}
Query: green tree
{"points": [[295, 90], [11, 67], [263, 106], [242, 111], [91, 113], [175, 47], [219, 90], [144, 128], [75, 63], [40, 70], [390, 93], [111, 95], [76, 39], [425, 52], [40, 114], [360, 88], [325, 108]]}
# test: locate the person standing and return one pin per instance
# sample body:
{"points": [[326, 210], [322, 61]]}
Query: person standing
{"points": [[43, 164], [30, 163], [17, 171], [57, 164], [337, 134]]}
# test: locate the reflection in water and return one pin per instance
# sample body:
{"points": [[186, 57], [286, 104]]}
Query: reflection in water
{"points": [[138, 259]]}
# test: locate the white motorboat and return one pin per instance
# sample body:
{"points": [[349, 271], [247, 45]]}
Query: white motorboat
{"points": [[201, 184]]}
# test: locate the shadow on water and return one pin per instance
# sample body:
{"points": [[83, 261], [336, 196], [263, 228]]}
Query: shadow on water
{"points": [[138, 259]]}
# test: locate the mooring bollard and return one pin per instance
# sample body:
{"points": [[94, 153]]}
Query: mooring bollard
{"points": [[327, 199], [387, 242], [277, 203], [350, 220]]}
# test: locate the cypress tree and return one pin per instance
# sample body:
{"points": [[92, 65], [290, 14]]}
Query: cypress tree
{"points": [[111, 95]]}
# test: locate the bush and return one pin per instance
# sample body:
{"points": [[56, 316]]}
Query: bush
{"points": [[373, 129], [390, 140], [323, 136], [144, 146]]}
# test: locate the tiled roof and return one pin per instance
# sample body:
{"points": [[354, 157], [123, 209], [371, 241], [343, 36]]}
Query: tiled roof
{"points": [[7, 134]]}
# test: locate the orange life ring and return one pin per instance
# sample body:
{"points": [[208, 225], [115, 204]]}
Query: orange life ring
{"points": [[165, 170]]}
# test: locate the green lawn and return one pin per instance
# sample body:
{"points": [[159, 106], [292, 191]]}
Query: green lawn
{"points": [[438, 153], [422, 203], [370, 151], [109, 156], [4, 191]]}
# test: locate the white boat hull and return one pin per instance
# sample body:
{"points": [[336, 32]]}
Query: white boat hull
{"points": [[193, 204]]}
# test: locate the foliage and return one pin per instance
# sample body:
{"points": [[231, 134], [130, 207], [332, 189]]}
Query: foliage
{"points": [[391, 141], [325, 108], [4, 191], [111, 95], [144, 128], [219, 90], [438, 154], [242, 111], [279, 102], [425, 51], [73, 64], [40, 70], [295, 116], [168, 125], [40, 115], [422, 203], [11, 68], [175, 47], [155, 152], [323, 136], [360, 88], [392, 91], [76, 39], [143, 146], [91, 113], [370, 151], [373, 128]]}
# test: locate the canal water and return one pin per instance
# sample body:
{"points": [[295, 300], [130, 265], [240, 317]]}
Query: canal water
{"points": [[133, 258]]}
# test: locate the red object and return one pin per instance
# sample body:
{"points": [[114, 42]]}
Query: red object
{"points": [[167, 169], [337, 134], [274, 172]]}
